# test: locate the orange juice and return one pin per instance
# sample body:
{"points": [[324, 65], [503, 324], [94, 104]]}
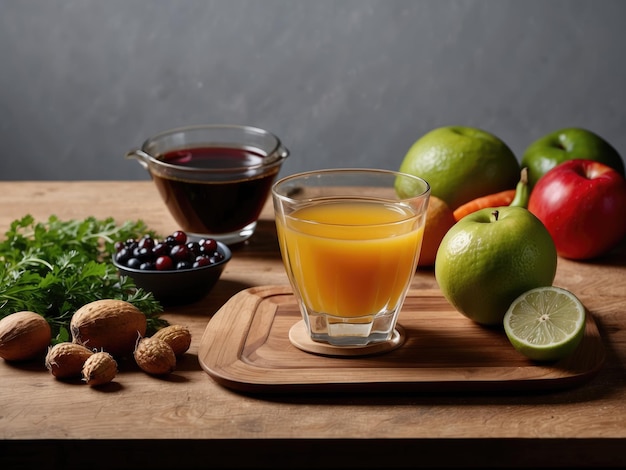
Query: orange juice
{"points": [[351, 258]]}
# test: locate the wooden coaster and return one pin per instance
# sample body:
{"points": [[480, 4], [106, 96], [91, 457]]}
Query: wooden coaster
{"points": [[299, 337]]}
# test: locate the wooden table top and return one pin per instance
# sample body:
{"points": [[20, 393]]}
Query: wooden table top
{"points": [[198, 422]]}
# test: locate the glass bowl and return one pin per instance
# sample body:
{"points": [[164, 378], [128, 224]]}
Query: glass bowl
{"points": [[214, 179]]}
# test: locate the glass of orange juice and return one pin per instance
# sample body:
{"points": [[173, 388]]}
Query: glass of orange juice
{"points": [[350, 240]]}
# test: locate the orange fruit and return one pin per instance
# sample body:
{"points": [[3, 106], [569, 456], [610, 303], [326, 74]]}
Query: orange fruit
{"points": [[439, 219]]}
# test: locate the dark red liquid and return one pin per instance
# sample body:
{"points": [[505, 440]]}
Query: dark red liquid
{"points": [[215, 207]]}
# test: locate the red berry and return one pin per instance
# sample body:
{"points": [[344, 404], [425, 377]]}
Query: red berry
{"points": [[180, 253], [163, 263], [180, 237], [146, 242], [161, 249], [201, 261], [172, 253], [208, 245]]}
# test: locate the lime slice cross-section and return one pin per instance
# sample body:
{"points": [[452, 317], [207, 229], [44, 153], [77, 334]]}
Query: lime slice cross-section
{"points": [[546, 323]]}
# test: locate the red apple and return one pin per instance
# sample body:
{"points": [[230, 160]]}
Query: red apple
{"points": [[582, 203]]}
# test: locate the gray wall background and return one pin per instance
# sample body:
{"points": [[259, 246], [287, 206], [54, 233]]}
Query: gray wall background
{"points": [[342, 83]]}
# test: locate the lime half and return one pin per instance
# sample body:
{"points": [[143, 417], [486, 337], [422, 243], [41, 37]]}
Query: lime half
{"points": [[545, 323]]}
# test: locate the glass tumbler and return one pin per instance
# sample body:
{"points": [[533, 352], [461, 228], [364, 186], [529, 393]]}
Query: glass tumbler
{"points": [[350, 241]]}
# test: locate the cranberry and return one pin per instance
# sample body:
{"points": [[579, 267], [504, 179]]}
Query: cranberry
{"points": [[201, 261], [163, 263], [146, 242], [177, 238], [174, 252], [180, 253], [161, 249], [208, 245]]}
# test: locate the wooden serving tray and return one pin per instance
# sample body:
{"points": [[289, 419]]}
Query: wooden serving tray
{"points": [[246, 347]]}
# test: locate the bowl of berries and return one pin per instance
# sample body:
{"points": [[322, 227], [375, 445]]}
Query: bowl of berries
{"points": [[176, 269]]}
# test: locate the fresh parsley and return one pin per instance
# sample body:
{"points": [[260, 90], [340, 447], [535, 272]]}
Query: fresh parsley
{"points": [[55, 267]]}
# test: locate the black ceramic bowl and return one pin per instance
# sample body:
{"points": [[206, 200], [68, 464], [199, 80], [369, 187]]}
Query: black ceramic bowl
{"points": [[182, 286]]}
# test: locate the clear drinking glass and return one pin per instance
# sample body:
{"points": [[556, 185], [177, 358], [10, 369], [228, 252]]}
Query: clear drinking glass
{"points": [[214, 179], [350, 245]]}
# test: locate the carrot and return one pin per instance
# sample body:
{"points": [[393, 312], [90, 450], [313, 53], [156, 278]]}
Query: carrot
{"points": [[509, 197], [503, 198]]}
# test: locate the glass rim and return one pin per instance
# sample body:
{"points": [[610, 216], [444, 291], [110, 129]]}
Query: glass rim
{"points": [[277, 154], [326, 171]]}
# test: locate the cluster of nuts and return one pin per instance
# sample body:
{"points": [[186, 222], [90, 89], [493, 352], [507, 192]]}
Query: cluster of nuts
{"points": [[69, 360], [101, 331], [157, 354]]}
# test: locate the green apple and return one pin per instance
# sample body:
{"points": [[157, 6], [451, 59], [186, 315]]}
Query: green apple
{"points": [[492, 256], [461, 163], [568, 144]]}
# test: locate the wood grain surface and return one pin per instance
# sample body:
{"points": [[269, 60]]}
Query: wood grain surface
{"points": [[199, 423], [246, 346]]}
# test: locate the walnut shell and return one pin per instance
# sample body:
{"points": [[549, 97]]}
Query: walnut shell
{"points": [[99, 369], [66, 360], [110, 325], [177, 336], [155, 356], [24, 335]]}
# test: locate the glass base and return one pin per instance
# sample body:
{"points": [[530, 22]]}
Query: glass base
{"points": [[301, 339], [233, 238], [360, 331]]}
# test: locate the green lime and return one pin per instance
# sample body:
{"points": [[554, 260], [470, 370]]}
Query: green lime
{"points": [[545, 323], [461, 164]]}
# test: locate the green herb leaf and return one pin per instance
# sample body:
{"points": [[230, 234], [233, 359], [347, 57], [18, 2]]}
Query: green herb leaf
{"points": [[53, 268]]}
